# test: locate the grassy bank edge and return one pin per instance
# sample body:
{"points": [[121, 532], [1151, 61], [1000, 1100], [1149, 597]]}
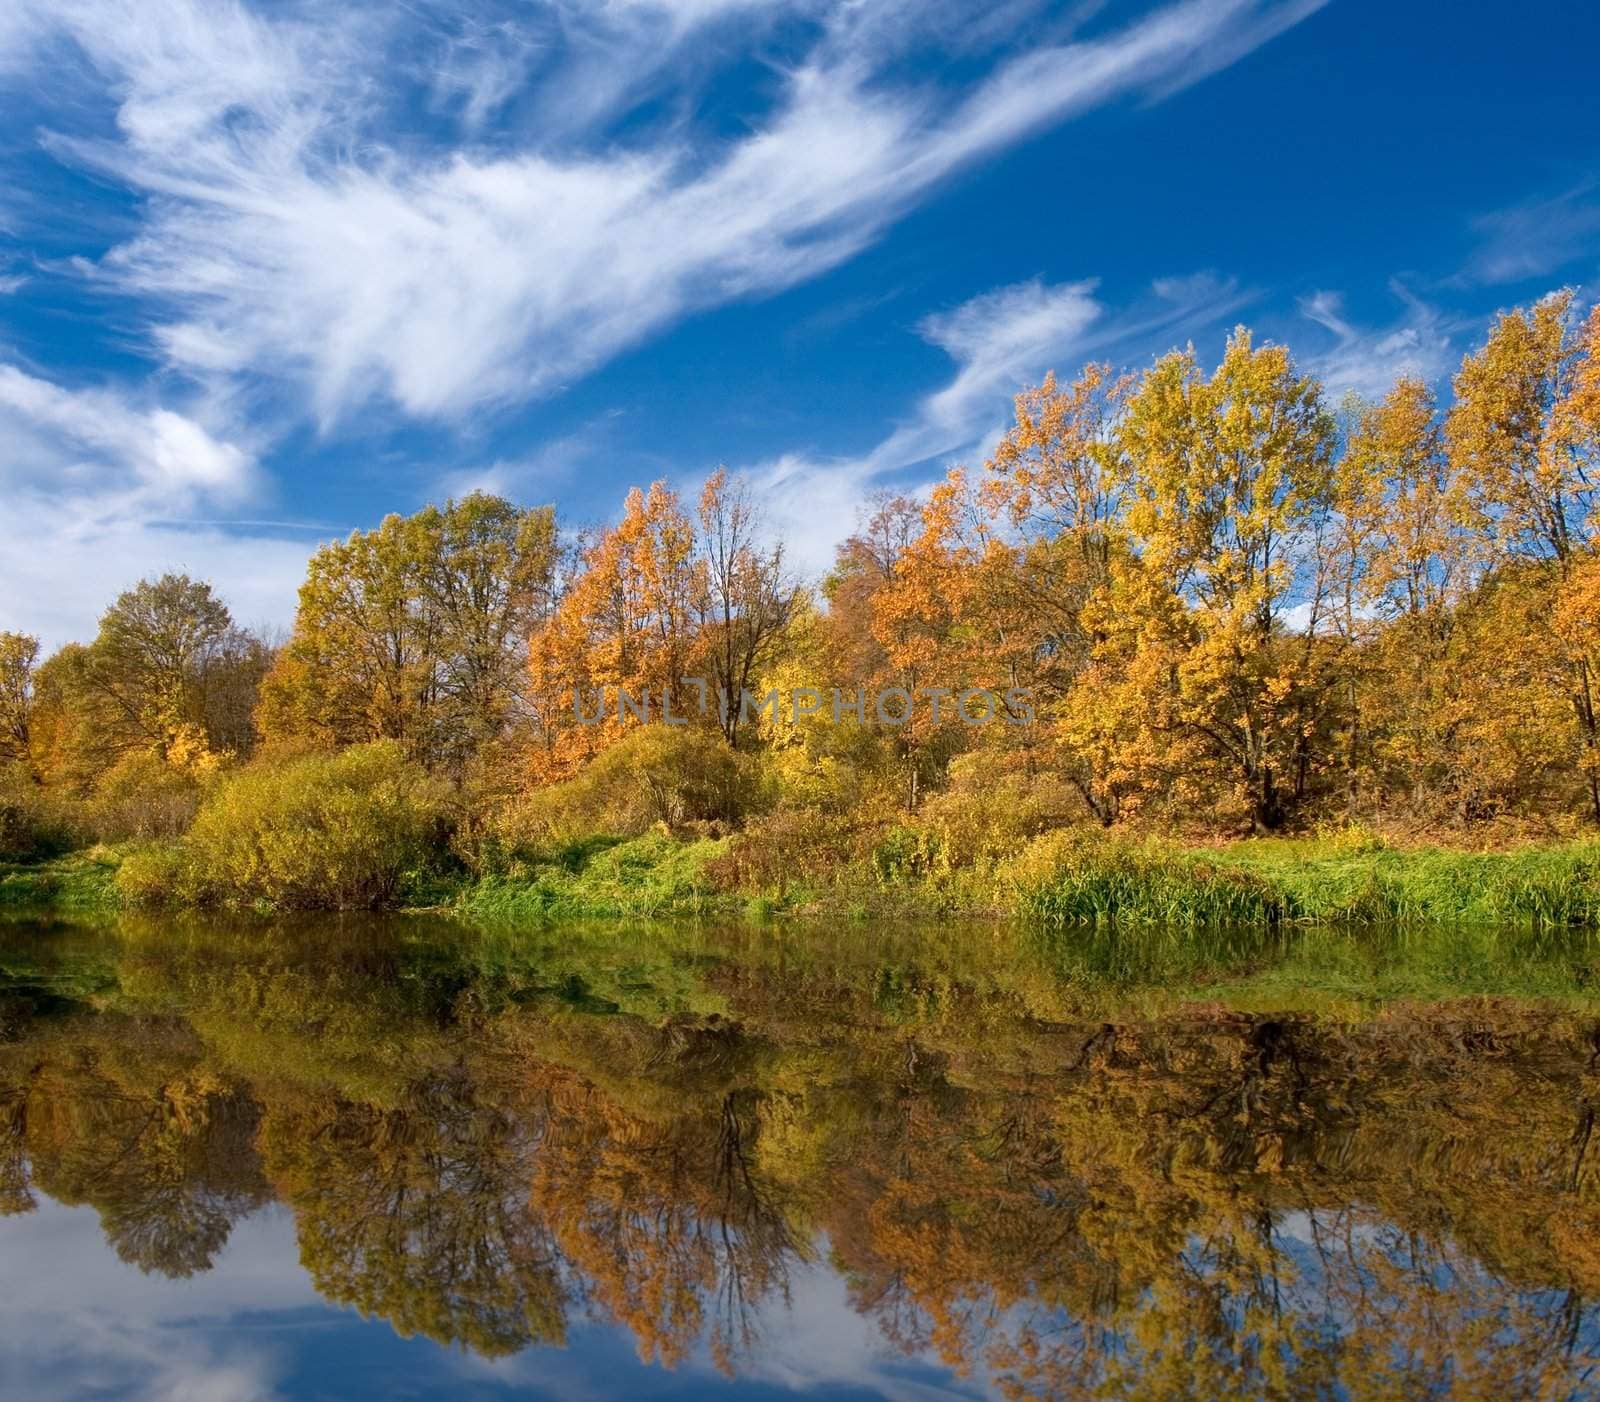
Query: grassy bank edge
{"points": [[81, 882], [1068, 878]]}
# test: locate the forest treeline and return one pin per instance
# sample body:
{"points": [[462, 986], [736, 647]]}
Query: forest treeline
{"points": [[1235, 607]]}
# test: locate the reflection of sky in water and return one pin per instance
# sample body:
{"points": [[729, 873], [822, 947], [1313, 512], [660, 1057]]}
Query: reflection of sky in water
{"points": [[79, 1323]]}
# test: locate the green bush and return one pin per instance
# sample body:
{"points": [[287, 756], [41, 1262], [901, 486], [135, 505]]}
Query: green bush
{"points": [[650, 875], [905, 853], [333, 831]]}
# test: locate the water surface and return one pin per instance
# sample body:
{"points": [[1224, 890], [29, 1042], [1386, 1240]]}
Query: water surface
{"points": [[411, 1158]]}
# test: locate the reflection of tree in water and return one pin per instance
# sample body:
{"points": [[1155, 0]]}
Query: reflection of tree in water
{"points": [[1213, 1204], [417, 1212], [170, 1166], [665, 1223], [15, 1194]]}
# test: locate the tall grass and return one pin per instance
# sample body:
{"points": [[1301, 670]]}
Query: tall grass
{"points": [[1074, 878], [1078, 879]]}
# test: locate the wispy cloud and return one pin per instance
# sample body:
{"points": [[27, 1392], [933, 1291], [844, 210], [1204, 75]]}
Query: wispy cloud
{"points": [[1536, 239], [101, 488], [1001, 342], [1368, 360], [297, 225]]}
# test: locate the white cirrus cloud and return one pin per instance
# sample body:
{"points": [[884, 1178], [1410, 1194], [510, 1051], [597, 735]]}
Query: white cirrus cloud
{"points": [[1536, 239], [300, 223]]}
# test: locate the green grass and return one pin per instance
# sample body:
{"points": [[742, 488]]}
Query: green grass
{"points": [[81, 882], [1549, 887], [1084, 879], [1264, 884], [651, 875]]}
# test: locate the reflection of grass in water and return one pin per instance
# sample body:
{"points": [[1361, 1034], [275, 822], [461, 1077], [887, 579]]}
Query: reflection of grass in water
{"points": [[52, 967], [330, 990], [1310, 965]]}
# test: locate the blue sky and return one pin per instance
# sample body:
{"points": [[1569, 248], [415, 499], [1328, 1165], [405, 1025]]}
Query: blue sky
{"points": [[270, 270]]}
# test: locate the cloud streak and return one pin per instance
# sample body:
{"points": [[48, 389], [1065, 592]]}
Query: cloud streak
{"points": [[296, 226]]}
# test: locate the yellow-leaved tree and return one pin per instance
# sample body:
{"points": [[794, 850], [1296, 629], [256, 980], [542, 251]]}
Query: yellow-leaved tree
{"points": [[1229, 477], [1524, 436]]}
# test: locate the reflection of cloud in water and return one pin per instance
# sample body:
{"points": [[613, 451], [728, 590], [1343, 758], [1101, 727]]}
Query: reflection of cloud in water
{"points": [[815, 1341], [80, 1323], [825, 1342]]}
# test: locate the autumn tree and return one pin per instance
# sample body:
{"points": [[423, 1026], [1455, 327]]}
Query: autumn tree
{"points": [[417, 631], [1229, 476], [1524, 435], [169, 675], [1058, 480], [864, 564], [19, 655], [746, 597], [489, 578], [628, 621], [1525, 430], [1398, 561]]}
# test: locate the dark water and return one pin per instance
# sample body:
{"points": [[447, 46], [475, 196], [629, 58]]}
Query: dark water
{"points": [[413, 1159]]}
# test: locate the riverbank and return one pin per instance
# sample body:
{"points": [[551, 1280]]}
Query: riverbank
{"points": [[1070, 878], [1075, 878], [77, 883]]}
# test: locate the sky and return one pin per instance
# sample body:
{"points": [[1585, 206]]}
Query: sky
{"points": [[271, 270]]}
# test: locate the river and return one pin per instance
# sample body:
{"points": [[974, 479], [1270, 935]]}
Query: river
{"points": [[409, 1158]]}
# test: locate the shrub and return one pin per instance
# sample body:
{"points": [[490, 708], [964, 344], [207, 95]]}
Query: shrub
{"points": [[905, 853], [33, 826], [142, 798], [336, 831], [992, 810], [786, 846], [673, 775]]}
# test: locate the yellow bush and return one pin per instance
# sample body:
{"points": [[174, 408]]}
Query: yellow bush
{"points": [[337, 831], [991, 810], [675, 775], [143, 797]]}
